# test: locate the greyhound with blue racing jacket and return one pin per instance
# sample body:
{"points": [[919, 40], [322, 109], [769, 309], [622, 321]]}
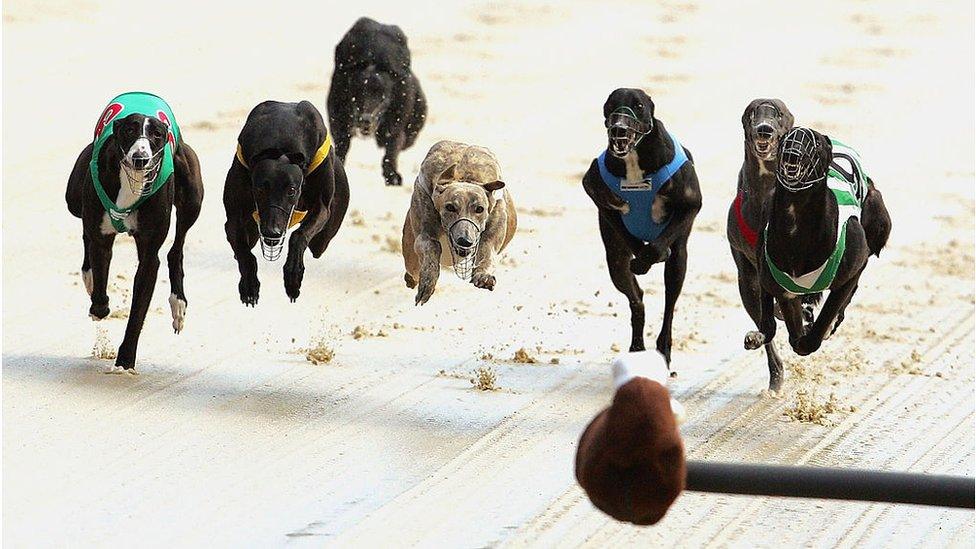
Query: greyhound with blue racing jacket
{"points": [[646, 190], [826, 218]]}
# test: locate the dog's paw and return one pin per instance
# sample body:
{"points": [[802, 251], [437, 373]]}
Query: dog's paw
{"points": [[805, 345], [483, 280], [119, 370], [293, 280], [648, 256], [409, 280], [249, 289], [754, 340], [424, 291], [98, 312], [177, 308], [393, 179]]}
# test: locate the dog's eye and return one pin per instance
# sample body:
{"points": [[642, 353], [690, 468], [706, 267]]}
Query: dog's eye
{"points": [[451, 208], [479, 209], [292, 191]]}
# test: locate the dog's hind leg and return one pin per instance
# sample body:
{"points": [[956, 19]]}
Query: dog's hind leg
{"points": [[618, 263], [675, 268], [188, 199], [830, 317], [147, 245], [749, 293]]}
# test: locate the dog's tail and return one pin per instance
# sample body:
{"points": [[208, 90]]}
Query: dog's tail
{"points": [[875, 220]]}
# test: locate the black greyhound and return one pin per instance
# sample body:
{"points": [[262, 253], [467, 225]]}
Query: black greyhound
{"points": [[284, 174], [825, 219], [129, 180], [374, 92], [764, 123], [646, 190]]}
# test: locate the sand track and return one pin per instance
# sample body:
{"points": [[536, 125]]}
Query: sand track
{"points": [[229, 437]]}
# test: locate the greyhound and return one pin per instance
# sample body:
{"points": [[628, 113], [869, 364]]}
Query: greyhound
{"points": [[461, 215], [825, 219], [764, 123], [128, 181], [646, 190], [374, 92], [284, 174]]}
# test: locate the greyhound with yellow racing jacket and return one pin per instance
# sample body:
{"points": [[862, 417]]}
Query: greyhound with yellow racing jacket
{"points": [[460, 215]]}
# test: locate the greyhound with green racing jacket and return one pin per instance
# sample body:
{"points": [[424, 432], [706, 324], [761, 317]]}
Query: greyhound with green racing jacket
{"points": [[825, 219], [129, 180]]}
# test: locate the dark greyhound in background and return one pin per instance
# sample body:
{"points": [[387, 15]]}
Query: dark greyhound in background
{"points": [[284, 174], [764, 123], [646, 190], [129, 180], [825, 219], [374, 92]]}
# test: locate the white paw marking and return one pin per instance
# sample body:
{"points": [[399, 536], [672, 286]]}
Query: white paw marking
{"points": [[178, 308], [118, 371], [86, 277]]}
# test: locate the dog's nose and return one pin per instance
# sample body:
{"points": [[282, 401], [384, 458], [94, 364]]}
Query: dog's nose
{"points": [[464, 242]]}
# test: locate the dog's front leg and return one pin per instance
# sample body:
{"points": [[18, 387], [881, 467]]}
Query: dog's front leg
{"points": [[428, 250], [483, 274], [659, 249], [242, 236], [390, 173], [836, 301], [100, 257], [148, 246], [294, 269], [767, 322]]}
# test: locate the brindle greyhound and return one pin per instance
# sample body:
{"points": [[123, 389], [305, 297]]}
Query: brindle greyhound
{"points": [[764, 122], [825, 219], [129, 180], [646, 190]]}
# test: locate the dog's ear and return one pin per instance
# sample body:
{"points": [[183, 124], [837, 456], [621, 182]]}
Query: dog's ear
{"points": [[787, 115], [648, 104], [447, 175], [493, 186]]}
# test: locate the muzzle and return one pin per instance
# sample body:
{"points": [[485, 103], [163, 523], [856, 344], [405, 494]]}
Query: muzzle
{"points": [[464, 247], [142, 169], [625, 130], [800, 161], [765, 143], [272, 246]]}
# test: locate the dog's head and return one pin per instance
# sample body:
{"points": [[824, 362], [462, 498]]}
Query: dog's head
{"points": [[463, 208], [142, 140], [765, 122], [375, 93], [628, 115], [276, 184], [804, 157]]}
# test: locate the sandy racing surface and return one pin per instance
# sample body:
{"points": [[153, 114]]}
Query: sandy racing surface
{"points": [[229, 436]]}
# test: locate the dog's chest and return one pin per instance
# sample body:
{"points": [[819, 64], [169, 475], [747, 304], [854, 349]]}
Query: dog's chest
{"points": [[125, 199], [635, 180]]}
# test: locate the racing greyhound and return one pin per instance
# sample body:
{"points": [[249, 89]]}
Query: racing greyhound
{"points": [[825, 219], [128, 181], [284, 174], [764, 122], [646, 190]]}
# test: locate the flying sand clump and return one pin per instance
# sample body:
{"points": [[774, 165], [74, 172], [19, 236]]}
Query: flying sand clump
{"points": [[319, 353]]}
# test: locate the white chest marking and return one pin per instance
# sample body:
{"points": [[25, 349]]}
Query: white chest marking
{"points": [[762, 169], [634, 173], [125, 199]]}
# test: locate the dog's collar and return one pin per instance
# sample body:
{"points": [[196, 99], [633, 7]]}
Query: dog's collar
{"points": [[849, 191], [317, 159], [125, 104]]}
